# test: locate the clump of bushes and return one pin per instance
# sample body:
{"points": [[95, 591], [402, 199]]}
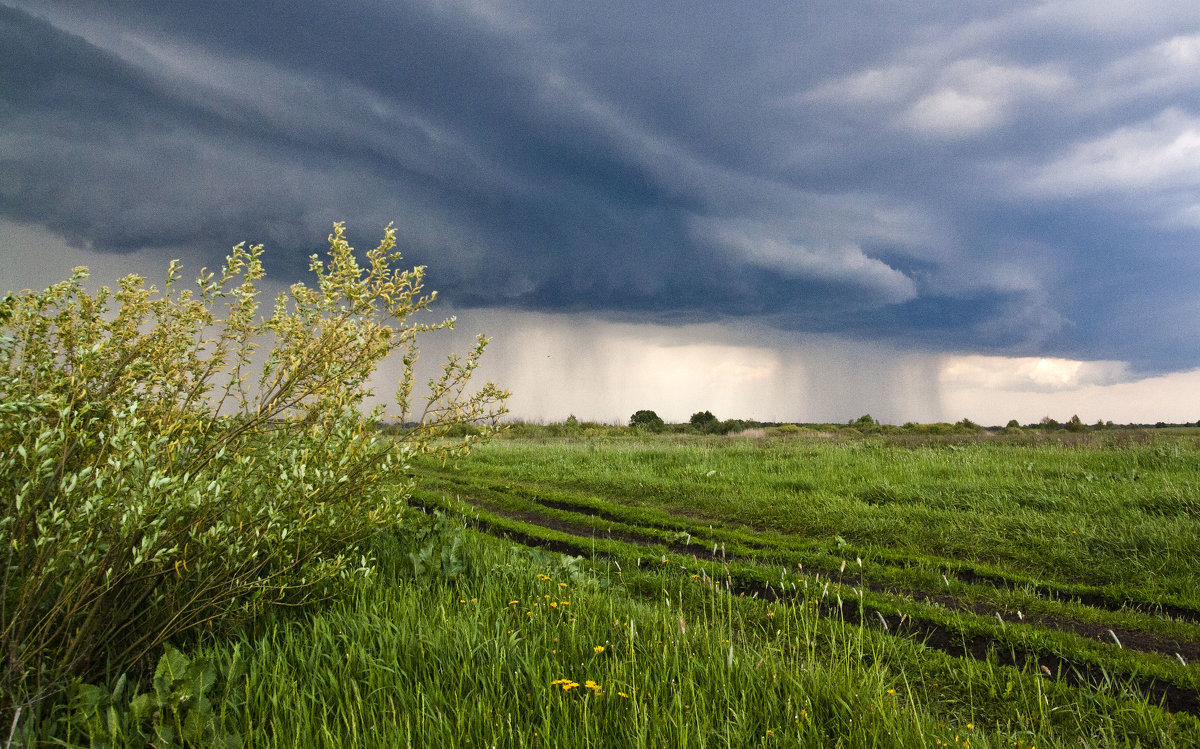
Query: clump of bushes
{"points": [[648, 420], [784, 430], [172, 460]]}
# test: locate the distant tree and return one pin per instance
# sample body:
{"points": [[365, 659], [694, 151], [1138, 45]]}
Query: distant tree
{"points": [[1049, 423], [646, 419], [573, 422], [968, 425], [864, 421], [1012, 424], [728, 426], [704, 421], [1075, 424]]}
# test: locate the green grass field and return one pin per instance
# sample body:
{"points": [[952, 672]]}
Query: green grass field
{"points": [[801, 591]]}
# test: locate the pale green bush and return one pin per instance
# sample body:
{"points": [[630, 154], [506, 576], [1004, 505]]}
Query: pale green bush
{"points": [[159, 473]]}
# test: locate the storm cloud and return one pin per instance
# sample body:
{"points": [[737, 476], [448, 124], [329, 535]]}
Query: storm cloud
{"points": [[1017, 179]]}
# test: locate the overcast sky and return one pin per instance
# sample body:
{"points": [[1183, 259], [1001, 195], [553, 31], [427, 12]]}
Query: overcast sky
{"points": [[923, 210]]}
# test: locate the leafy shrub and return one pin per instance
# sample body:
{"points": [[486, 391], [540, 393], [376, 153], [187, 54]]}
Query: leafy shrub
{"points": [[646, 419], [464, 430], [186, 706], [729, 426], [160, 473], [436, 549], [784, 430]]}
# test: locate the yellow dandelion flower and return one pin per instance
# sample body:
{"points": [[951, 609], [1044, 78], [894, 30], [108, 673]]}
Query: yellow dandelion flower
{"points": [[891, 691], [622, 694], [970, 726], [589, 684], [564, 603], [554, 604], [562, 585], [770, 732], [513, 603], [598, 649]]}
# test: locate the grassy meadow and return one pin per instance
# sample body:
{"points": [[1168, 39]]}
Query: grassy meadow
{"points": [[812, 590]]}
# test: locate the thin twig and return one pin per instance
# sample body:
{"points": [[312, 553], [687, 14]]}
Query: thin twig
{"points": [[12, 731]]}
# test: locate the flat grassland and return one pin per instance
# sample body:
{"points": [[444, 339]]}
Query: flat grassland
{"points": [[990, 591]]}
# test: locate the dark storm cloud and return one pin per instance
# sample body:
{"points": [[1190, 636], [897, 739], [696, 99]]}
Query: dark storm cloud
{"points": [[1002, 178]]}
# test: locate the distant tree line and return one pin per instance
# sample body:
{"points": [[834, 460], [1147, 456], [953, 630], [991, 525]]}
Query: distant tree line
{"points": [[647, 421], [702, 422]]}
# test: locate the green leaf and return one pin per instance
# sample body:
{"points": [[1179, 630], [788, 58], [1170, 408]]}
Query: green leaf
{"points": [[114, 722], [143, 707], [198, 718], [162, 688], [119, 688], [164, 736], [88, 697], [172, 665], [201, 675]]}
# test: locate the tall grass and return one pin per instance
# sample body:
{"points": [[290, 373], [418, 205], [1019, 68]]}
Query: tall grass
{"points": [[528, 650], [461, 639], [1099, 512]]}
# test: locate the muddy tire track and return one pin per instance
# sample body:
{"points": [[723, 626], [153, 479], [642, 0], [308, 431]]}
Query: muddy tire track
{"points": [[956, 570], [1170, 697], [1136, 640]]}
